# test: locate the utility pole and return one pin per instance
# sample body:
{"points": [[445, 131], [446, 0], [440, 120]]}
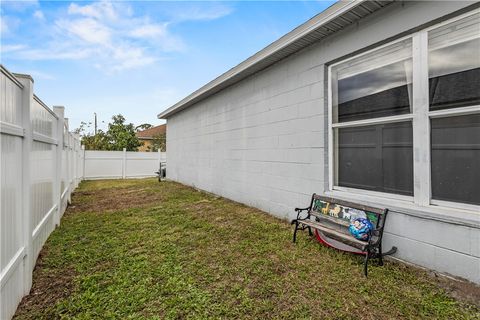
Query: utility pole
{"points": [[95, 122]]}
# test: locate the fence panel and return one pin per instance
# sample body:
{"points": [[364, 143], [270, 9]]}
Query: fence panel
{"points": [[121, 164], [64, 184], [12, 244], [141, 164], [103, 164], [42, 174], [80, 162], [41, 164], [11, 221], [32, 172]]}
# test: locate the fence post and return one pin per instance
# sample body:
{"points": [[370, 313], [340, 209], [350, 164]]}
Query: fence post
{"points": [[27, 100], [83, 162], [74, 161], [68, 164], [124, 163], [60, 112], [77, 158], [72, 164]]}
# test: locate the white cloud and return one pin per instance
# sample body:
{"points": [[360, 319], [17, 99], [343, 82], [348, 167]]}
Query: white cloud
{"points": [[158, 35], [110, 35], [114, 37], [8, 25], [130, 57], [202, 12], [86, 29], [4, 26], [149, 31], [38, 14], [20, 5], [12, 47], [98, 10], [54, 54]]}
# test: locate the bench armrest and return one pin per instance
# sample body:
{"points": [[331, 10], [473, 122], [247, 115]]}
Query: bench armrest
{"points": [[299, 211]]}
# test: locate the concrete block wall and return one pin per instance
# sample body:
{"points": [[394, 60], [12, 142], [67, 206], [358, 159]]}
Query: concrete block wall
{"points": [[262, 142], [263, 137]]}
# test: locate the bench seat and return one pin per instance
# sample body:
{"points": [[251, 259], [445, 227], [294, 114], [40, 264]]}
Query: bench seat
{"points": [[337, 235]]}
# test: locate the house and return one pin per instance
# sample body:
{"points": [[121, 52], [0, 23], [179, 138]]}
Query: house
{"points": [[148, 135], [370, 101]]}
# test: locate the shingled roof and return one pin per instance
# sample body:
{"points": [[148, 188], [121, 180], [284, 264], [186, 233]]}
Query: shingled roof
{"points": [[150, 133]]}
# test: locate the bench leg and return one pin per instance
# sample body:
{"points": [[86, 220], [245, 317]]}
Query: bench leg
{"points": [[389, 252], [310, 231], [365, 264], [380, 255], [295, 232]]}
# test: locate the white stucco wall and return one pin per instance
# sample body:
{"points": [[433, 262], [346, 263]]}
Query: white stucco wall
{"points": [[262, 142]]}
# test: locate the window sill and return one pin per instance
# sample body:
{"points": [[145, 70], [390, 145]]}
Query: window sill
{"points": [[462, 217]]}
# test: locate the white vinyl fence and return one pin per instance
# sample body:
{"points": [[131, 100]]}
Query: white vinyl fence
{"points": [[121, 164], [41, 164], [40, 167]]}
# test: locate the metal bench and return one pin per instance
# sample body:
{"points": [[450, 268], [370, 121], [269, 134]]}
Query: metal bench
{"points": [[330, 218]]}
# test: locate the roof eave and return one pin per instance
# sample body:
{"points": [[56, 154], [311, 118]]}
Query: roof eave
{"points": [[331, 13]]}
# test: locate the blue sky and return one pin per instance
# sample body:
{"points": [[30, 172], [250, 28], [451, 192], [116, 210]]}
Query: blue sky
{"points": [[138, 57]]}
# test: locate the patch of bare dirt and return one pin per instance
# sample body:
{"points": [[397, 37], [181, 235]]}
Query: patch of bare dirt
{"points": [[459, 289], [113, 199], [48, 289]]}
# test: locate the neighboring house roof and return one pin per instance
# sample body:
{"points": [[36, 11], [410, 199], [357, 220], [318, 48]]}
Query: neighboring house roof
{"points": [[152, 132], [333, 19]]}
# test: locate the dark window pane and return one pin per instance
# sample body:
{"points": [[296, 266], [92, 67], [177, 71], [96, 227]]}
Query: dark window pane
{"points": [[461, 89], [454, 64], [381, 103], [373, 85], [377, 158], [456, 159]]}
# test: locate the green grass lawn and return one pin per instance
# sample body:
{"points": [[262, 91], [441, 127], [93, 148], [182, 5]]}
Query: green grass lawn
{"points": [[138, 249]]}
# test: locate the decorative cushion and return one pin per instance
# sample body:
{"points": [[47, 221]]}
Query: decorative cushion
{"points": [[360, 228]]}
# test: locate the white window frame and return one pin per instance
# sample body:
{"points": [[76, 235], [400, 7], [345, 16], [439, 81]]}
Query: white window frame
{"points": [[420, 117]]}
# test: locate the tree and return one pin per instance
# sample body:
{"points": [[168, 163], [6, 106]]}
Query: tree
{"points": [[118, 136], [142, 127], [122, 135], [159, 142], [96, 142], [81, 129]]}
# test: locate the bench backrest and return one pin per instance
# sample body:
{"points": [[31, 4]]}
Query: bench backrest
{"points": [[344, 210]]}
